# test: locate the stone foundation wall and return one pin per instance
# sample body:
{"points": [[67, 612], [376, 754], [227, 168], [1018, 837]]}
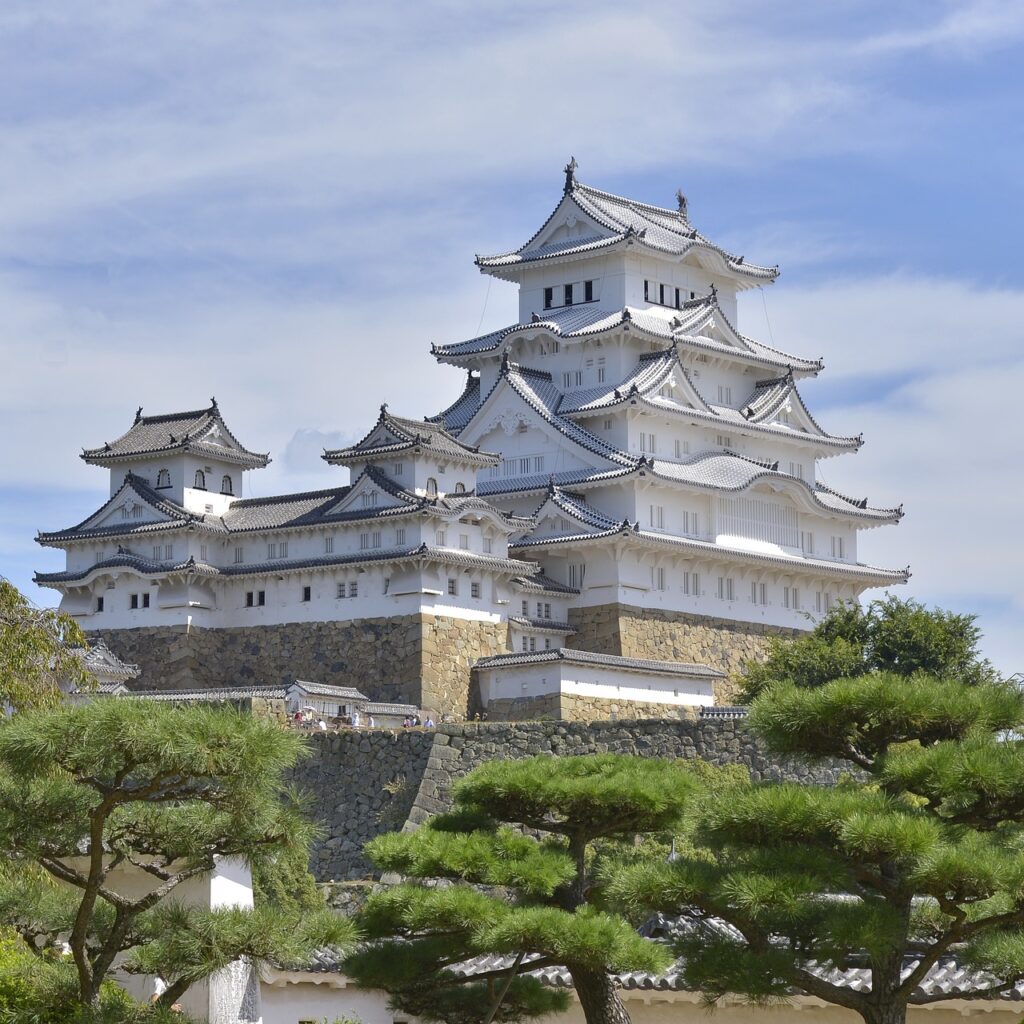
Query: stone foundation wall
{"points": [[412, 659], [449, 647], [571, 707], [364, 783], [674, 636]]}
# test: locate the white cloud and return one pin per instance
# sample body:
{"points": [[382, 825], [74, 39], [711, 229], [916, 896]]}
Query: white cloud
{"points": [[945, 441]]}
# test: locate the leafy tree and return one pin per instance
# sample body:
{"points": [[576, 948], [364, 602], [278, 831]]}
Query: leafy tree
{"points": [[889, 635], [535, 894], [916, 858], [36, 651], [90, 792]]}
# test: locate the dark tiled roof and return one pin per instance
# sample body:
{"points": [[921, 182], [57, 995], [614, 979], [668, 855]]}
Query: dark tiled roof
{"points": [[575, 506], [574, 657], [724, 711], [542, 625], [462, 410], [624, 220], [176, 432], [409, 434], [543, 584]]}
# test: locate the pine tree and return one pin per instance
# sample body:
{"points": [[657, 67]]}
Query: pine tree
{"points": [[520, 851], [36, 652], [87, 792], [915, 859]]}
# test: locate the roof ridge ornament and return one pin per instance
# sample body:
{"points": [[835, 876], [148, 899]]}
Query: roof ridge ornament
{"points": [[682, 203], [213, 405], [138, 414], [570, 175]]}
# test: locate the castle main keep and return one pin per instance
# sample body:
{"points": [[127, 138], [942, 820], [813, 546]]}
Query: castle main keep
{"points": [[615, 512]]}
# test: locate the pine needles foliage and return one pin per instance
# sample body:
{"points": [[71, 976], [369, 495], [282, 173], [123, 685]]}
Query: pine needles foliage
{"points": [[92, 793], [915, 860], [515, 870]]}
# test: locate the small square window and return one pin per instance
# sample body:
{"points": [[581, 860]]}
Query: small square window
{"points": [[453, 586], [99, 604], [588, 291]]}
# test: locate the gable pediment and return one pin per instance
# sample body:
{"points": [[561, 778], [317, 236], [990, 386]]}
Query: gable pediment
{"points": [[569, 224], [126, 508], [365, 496]]}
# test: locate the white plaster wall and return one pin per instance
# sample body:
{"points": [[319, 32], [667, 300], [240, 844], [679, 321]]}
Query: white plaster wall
{"points": [[605, 682], [285, 1003]]}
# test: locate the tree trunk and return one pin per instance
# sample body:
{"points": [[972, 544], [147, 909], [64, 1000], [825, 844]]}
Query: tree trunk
{"points": [[889, 1013], [598, 997]]}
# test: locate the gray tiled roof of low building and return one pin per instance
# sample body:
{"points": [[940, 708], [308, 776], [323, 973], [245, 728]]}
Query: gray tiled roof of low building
{"points": [[174, 432], [377, 707], [724, 711], [213, 694], [329, 690], [410, 434], [575, 657], [948, 978]]}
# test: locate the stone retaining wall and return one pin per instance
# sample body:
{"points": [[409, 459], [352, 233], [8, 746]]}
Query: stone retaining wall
{"points": [[410, 659], [674, 636], [365, 783]]}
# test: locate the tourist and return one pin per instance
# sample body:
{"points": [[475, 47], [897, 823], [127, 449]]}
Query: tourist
{"points": [[355, 719], [370, 722], [406, 722], [322, 725], [430, 723]]}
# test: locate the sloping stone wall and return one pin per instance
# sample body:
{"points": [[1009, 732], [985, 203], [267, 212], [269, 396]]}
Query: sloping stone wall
{"points": [[674, 636], [365, 783]]}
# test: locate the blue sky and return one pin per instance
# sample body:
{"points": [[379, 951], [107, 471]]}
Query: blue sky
{"points": [[279, 204]]}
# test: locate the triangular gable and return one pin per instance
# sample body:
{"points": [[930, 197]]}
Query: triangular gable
{"points": [[506, 412], [562, 515], [569, 225], [129, 506], [369, 492], [706, 320]]}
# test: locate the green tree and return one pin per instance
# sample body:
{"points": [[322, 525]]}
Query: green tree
{"points": [[889, 635], [90, 793], [36, 651], [917, 857], [535, 893]]}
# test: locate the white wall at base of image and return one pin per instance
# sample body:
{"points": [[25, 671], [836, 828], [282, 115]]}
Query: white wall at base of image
{"points": [[607, 683], [297, 996]]}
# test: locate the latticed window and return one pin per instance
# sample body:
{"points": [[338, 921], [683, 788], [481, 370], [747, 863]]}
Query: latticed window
{"points": [[200, 481], [163, 478], [226, 485]]}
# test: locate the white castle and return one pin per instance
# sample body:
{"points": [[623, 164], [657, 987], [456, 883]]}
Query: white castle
{"points": [[623, 500]]}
